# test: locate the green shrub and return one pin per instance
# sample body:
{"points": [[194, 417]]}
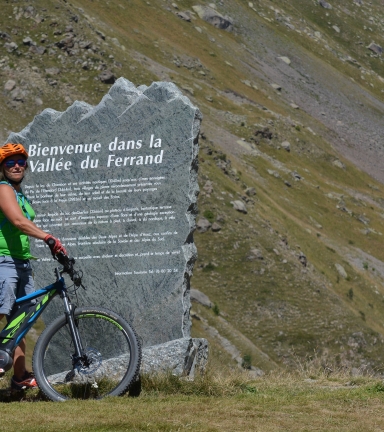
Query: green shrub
{"points": [[247, 361], [216, 309], [209, 267], [208, 214], [377, 388]]}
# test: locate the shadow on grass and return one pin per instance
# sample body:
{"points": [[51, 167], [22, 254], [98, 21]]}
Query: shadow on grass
{"points": [[8, 395]]}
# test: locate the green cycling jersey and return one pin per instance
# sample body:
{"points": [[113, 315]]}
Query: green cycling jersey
{"points": [[14, 242]]}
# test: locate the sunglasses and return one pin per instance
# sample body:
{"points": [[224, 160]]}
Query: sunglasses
{"points": [[12, 163]]}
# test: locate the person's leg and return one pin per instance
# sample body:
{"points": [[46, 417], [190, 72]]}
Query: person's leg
{"points": [[16, 281], [19, 361], [9, 286], [24, 287]]}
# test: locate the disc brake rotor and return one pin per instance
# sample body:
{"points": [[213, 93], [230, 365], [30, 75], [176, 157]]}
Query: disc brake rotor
{"points": [[90, 363]]}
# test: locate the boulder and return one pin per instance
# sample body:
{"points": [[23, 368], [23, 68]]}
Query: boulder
{"points": [[52, 71], [296, 175], [213, 17], [341, 271], [28, 41], [203, 225], [100, 34], [264, 133], [215, 227], [325, 4], [286, 146], [208, 187], [87, 44], [40, 50], [4, 35], [184, 357], [66, 43], [338, 163], [180, 357], [377, 49], [29, 12], [273, 173], [363, 219], [247, 83], [184, 16], [255, 254], [11, 46], [9, 85], [251, 191], [303, 259], [188, 89], [239, 206], [107, 77], [276, 86], [285, 60], [200, 297]]}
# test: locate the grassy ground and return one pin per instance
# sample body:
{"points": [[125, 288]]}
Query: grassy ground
{"points": [[308, 400]]}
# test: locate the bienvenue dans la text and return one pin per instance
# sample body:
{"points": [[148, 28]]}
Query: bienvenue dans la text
{"points": [[52, 158]]}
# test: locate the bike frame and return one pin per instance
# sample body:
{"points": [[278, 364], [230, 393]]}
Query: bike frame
{"points": [[22, 319]]}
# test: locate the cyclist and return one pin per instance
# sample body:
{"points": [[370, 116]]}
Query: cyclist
{"points": [[16, 224]]}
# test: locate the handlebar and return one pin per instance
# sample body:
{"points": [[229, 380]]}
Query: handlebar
{"points": [[68, 267]]}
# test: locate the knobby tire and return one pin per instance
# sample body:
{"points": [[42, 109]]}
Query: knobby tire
{"points": [[113, 355]]}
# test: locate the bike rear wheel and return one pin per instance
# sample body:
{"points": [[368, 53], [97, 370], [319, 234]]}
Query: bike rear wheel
{"points": [[111, 361]]}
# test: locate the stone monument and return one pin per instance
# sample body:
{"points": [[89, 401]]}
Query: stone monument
{"points": [[117, 183]]}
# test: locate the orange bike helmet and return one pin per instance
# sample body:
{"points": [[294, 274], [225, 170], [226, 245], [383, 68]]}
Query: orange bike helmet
{"points": [[10, 149]]}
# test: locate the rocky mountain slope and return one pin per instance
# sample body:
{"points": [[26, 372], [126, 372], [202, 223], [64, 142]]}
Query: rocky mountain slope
{"points": [[291, 203]]}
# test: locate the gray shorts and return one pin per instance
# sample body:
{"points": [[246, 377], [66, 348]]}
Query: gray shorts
{"points": [[15, 281]]}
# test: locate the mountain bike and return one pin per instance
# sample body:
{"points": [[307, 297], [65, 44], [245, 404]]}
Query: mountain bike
{"points": [[88, 352]]}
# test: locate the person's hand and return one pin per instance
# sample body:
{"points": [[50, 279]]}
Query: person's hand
{"points": [[55, 245]]}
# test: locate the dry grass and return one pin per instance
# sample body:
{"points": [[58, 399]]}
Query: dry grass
{"points": [[313, 398]]}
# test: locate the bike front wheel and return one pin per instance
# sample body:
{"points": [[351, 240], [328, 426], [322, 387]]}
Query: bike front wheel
{"points": [[109, 365]]}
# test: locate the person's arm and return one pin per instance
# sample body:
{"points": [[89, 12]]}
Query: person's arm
{"points": [[10, 207]]}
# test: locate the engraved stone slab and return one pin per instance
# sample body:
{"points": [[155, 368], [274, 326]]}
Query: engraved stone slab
{"points": [[117, 183]]}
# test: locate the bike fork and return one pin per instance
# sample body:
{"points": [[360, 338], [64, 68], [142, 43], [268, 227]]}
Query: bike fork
{"points": [[70, 314]]}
